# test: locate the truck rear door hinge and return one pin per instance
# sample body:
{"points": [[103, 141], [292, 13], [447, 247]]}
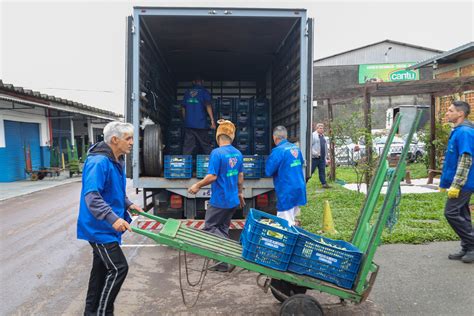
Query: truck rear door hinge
{"points": [[305, 98], [133, 29], [132, 96]]}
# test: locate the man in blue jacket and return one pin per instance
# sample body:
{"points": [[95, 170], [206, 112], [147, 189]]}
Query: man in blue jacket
{"points": [[285, 165], [103, 216], [458, 178], [196, 103], [225, 174]]}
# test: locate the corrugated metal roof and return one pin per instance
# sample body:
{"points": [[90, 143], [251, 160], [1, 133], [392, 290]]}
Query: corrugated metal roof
{"points": [[387, 41], [450, 54], [45, 98]]}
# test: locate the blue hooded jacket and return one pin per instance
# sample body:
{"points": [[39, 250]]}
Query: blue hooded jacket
{"points": [[103, 196], [285, 165], [461, 141]]}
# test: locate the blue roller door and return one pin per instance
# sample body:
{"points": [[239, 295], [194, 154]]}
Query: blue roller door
{"points": [[12, 157]]}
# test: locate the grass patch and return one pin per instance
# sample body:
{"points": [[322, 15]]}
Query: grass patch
{"points": [[421, 217], [417, 170]]}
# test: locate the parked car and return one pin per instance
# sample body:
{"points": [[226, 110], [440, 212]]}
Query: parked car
{"points": [[417, 148], [346, 151]]}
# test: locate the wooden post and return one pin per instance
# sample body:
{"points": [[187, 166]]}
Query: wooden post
{"points": [[368, 138], [332, 174], [432, 152]]}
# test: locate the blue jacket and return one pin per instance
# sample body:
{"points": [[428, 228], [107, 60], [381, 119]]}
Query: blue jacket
{"points": [[285, 165], [461, 141], [103, 196]]}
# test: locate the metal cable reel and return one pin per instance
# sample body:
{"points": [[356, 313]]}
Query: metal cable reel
{"points": [[153, 150]]}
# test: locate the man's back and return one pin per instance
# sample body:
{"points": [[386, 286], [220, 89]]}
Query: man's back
{"points": [[285, 164], [226, 163], [194, 102]]}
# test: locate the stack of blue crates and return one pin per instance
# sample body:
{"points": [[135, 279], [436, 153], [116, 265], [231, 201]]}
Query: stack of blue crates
{"points": [[243, 112], [202, 164], [261, 119], [178, 166], [225, 109], [174, 132]]}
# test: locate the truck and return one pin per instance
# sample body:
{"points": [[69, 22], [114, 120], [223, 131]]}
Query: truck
{"points": [[241, 53]]}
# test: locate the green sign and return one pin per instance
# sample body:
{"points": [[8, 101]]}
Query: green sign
{"points": [[387, 73]]}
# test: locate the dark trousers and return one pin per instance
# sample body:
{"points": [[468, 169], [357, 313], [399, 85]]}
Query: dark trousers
{"points": [[196, 141], [109, 269], [217, 220], [458, 215], [319, 163]]}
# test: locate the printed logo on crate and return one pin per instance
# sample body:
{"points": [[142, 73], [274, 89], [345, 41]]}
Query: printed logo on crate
{"points": [[334, 261]]}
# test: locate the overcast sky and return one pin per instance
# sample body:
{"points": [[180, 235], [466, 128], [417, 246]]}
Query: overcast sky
{"points": [[75, 49]]}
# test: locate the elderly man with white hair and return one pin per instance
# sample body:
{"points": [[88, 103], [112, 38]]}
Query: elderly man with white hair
{"points": [[103, 216], [285, 165]]}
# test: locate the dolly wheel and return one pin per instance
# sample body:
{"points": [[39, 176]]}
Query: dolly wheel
{"points": [[286, 288], [301, 304]]}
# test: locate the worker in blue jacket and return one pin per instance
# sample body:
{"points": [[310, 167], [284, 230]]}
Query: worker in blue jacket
{"points": [[458, 178], [103, 216], [285, 165], [196, 104]]}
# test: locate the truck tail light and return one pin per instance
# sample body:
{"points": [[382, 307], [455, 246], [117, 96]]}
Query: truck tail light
{"points": [[176, 201], [262, 200]]}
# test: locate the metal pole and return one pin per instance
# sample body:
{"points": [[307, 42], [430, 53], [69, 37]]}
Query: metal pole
{"points": [[90, 131], [73, 144], [332, 175]]}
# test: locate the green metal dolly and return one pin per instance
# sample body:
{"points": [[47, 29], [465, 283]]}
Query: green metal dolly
{"points": [[290, 287]]}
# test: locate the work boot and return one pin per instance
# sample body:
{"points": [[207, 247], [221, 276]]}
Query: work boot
{"points": [[326, 186], [468, 257], [457, 255]]}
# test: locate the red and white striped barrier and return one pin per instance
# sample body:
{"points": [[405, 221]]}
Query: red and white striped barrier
{"points": [[198, 224]]}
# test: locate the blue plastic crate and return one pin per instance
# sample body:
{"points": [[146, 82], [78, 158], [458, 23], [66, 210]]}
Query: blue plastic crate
{"points": [[174, 148], [243, 105], [260, 118], [335, 261], [267, 245], [252, 166], [178, 166], [243, 118], [243, 132], [260, 133], [260, 105], [202, 164]]}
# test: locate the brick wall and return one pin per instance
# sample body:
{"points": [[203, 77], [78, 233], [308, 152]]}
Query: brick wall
{"points": [[467, 71]]}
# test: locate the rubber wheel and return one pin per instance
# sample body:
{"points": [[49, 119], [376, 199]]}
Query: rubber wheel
{"points": [[286, 288], [152, 151], [301, 304]]}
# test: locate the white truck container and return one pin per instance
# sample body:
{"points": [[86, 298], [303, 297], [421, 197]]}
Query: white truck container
{"points": [[241, 53]]}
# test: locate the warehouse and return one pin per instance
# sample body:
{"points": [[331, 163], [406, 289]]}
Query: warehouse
{"points": [[36, 129], [384, 61]]}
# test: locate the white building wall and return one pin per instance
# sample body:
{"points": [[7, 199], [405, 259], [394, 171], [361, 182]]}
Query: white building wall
{"points": [[36, 115]]}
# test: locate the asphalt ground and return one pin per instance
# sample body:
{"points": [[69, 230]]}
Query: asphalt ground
{"points": [[45, 270]]}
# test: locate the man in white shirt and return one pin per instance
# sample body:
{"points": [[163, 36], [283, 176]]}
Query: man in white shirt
{"points": [[319, 153]]}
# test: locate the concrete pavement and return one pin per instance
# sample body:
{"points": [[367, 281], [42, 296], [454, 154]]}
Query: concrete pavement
{"points": [[45, 270], [10, 190]]}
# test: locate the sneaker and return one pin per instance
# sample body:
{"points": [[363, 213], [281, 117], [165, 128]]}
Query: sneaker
{"points": [[468, 257], [326, 186], [457, 255]]}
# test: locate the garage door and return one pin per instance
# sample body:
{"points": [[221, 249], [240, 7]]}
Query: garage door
{"points": [[19, 135]]}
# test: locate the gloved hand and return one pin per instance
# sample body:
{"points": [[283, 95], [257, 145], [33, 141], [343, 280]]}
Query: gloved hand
{"points": [[453, 193], [441, 189]]}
